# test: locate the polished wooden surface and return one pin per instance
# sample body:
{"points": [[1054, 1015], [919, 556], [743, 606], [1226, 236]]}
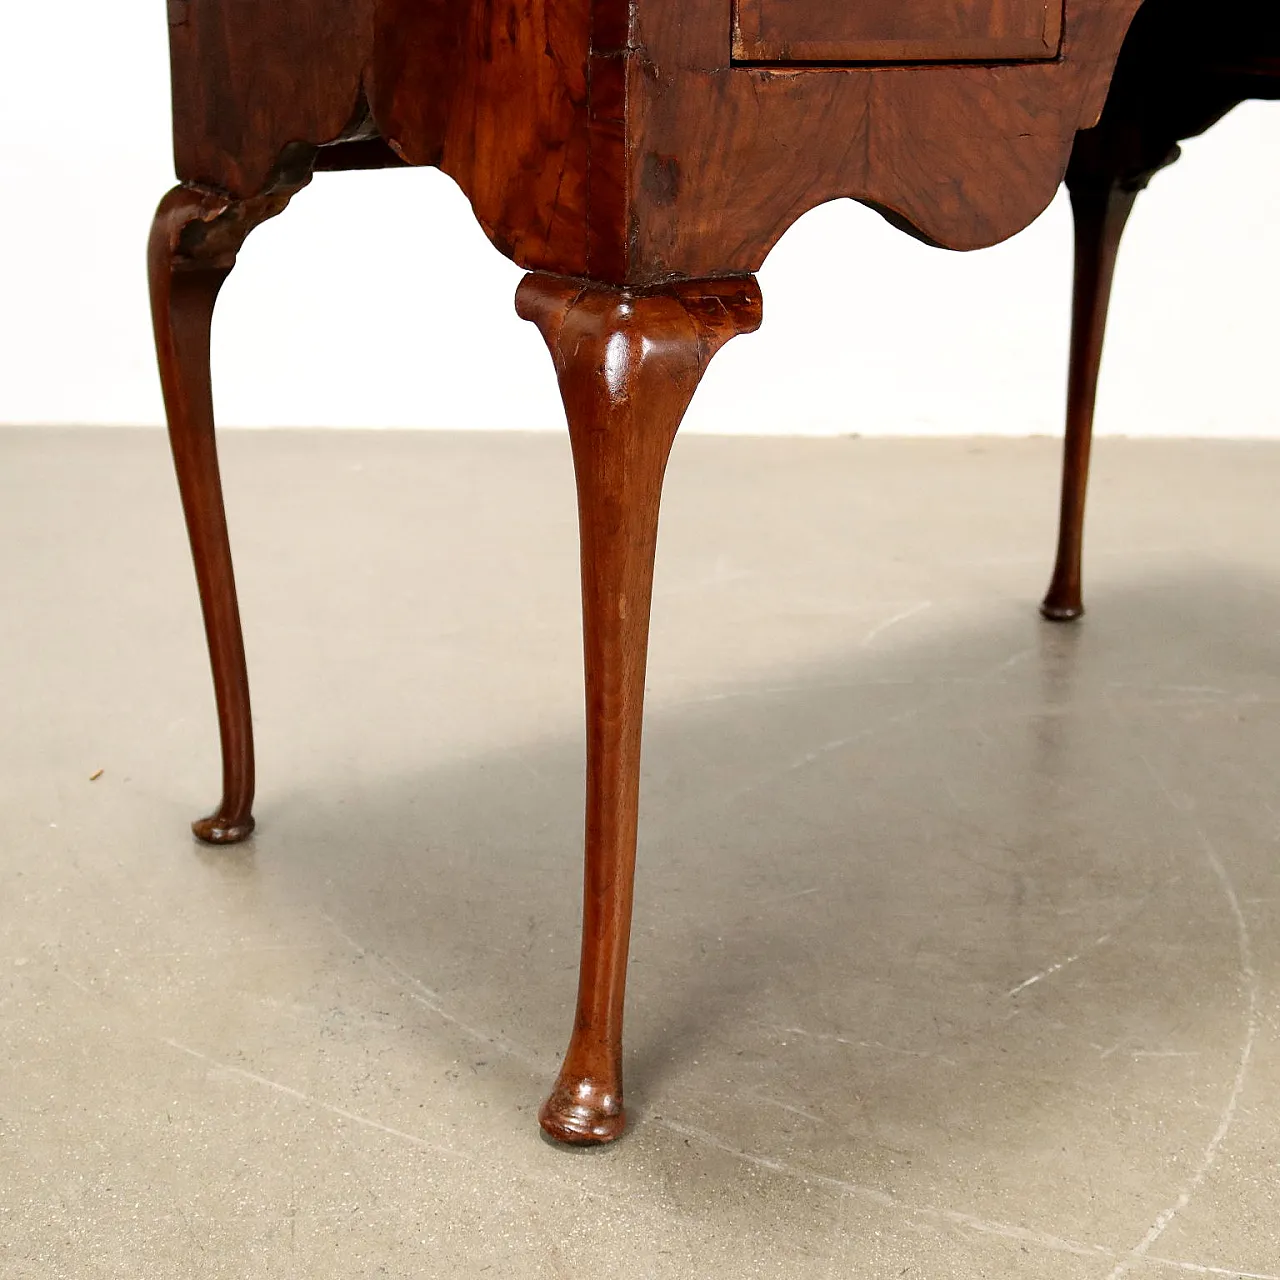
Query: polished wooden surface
{"points": [[194, 240], [896, 30], [628, 365], [617, 139], [641, 157], [1099, 210]]}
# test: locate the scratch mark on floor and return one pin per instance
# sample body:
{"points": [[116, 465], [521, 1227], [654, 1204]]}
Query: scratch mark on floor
{"points": [[953, 1217], [784, 1106], [1116, 926], [901, 717], [422, 994], [1249, 979], [1056, 968], [722, 574], [876, 1045], [298, 1095], [1200, 1270], [987, 677], [884, 626], [885, 1199], [1144, 1053], [1202, 690], [799, 893], [750, 1095], [217, 953], [1104, 1054], [368, 1122], [838, 686]]}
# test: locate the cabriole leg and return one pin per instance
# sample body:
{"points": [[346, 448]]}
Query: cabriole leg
{"points": [[1100, 208], [194, 240], [628, 364]]}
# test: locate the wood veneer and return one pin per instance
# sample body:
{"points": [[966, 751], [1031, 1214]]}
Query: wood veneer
{"points": [[896, 30]]}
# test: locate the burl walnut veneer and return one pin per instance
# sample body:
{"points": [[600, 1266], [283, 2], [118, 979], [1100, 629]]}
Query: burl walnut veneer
{"points": [[640, 158]]}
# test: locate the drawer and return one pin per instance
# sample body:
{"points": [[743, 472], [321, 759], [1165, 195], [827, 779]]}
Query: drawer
{"points": [[896, 30]]}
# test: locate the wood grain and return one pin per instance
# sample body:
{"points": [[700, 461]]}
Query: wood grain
{"points": [[619, 139], [496, 96], [896, 30], [194, 240], [251, 80], [628, 364], [921, 144]]}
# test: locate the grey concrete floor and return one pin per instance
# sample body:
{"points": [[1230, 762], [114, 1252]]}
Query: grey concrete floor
{"points": [[957, 936]]}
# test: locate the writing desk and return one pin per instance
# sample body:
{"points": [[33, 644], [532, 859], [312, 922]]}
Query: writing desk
{"points": [[640, 158]]}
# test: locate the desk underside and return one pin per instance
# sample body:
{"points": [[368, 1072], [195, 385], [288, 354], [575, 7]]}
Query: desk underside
{"points": [[623, 141]]}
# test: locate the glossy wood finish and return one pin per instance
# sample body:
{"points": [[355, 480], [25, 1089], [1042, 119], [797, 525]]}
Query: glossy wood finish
{"points": [[254, 80], [721, 159], [628, 364], [896, 30], [1100, 211], [194, 240], [495, 95], [617, 138]]}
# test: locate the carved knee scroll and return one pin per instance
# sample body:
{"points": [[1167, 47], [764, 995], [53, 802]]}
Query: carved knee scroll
{"points": [[194, 241], [628, 364]]}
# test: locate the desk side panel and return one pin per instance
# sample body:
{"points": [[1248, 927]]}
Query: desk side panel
{"points": [[723, 159], [250, 78], [496, 96]]}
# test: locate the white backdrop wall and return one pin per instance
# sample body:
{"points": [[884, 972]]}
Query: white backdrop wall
{"points": [[375, 300]]}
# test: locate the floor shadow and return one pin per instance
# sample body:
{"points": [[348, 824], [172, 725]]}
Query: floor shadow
{"points": [[926, 888]]}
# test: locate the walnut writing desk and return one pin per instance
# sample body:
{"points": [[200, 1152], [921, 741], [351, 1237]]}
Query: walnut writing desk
{"points": [[640, 158]]}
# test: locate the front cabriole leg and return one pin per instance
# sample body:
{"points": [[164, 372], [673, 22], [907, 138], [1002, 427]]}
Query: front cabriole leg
{"points": [[628, 363], [194, 240]]}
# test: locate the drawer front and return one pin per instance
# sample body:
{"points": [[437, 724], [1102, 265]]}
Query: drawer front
{"points": [[896, 30]]}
